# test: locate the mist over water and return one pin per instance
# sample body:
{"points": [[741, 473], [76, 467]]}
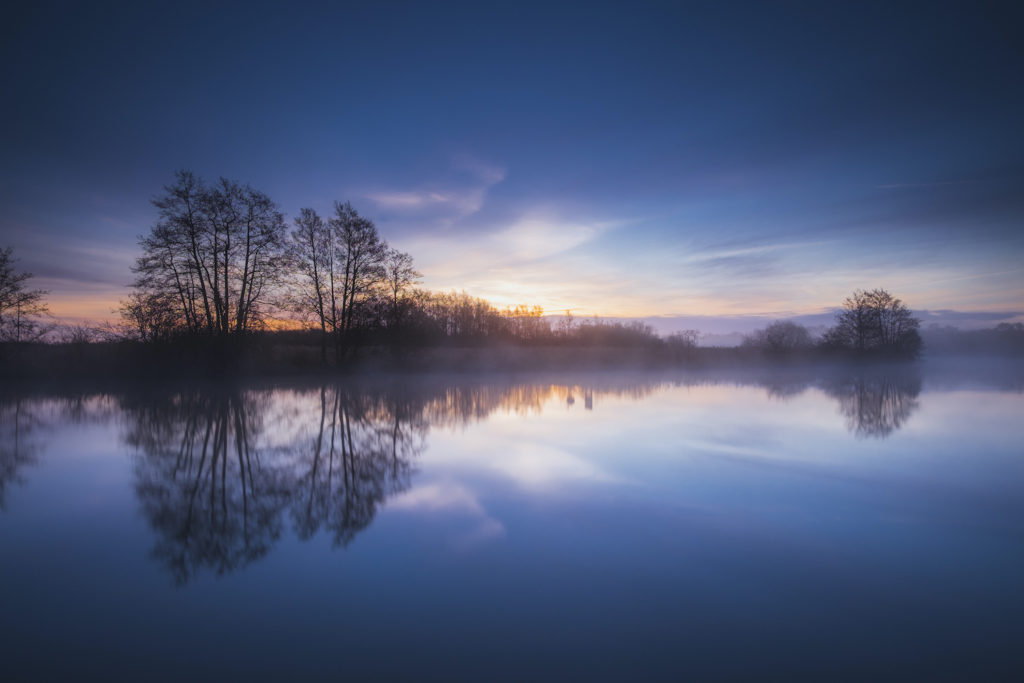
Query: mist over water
{"points": [[825, 522]]}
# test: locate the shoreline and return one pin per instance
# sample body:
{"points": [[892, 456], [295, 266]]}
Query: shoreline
{"points": [[96, 364]]}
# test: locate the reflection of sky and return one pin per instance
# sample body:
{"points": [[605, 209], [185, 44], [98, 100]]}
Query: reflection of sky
{"points": [[611, 160], [730, 455], [652, 532]]}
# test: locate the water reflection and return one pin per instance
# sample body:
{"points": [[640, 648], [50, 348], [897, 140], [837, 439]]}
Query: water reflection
{"points": [[19, 443], [215, 485], [203, 485], [26, 423], [221, 473], [360, 453], [876, 406]]}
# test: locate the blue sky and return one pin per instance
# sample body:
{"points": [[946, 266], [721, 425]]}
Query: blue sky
{"points": [[624, 159]]}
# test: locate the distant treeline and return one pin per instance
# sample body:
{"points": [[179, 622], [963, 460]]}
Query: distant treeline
{"points": [[224, 278], [1003, 339]]}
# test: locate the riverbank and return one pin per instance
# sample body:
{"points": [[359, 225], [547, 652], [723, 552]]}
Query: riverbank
{"points": [[124, 359]]}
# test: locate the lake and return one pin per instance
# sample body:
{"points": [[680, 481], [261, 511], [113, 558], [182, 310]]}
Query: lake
{"points": [[801, 523]]}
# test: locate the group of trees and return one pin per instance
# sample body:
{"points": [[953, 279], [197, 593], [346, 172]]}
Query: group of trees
{"points": [[221, 262], [875, 323], [870, 323]]}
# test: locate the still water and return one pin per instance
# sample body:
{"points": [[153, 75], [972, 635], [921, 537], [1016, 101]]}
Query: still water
{"points": [[801, 524]]}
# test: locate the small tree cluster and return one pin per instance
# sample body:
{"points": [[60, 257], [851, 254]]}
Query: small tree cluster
{"points": [[875, 323], [871, 323]]}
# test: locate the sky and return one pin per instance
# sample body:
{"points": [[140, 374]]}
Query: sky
{"points": [[685, 160]]}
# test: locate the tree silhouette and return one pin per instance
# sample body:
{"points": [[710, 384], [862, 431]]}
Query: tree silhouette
{"points": [[19, 306], [311, 256], [399, 277], [214, 255], [359, 262], [875, 322]]}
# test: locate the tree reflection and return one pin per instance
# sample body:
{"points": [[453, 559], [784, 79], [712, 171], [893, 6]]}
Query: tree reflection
{"points": [[361, 453], [202, 482], [218, 484], [876, 405], [26, 419], [875, 401], [214, 481], [18, 448], [221, 473]]}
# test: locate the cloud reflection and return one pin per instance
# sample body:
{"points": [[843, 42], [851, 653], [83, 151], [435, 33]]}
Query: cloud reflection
{"points": [[222, 473]]}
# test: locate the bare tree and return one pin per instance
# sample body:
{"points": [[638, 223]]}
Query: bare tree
{"points": [[19, 306], [149, 317], [399, 277], [176, 257], [216, 251], [875, 322], [359, 267], [311, 255]]}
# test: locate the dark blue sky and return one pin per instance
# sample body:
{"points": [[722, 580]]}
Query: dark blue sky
{"points": [[619, 158]]}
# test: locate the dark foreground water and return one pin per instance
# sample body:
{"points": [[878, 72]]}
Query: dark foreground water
{"points": [[803, 524]]}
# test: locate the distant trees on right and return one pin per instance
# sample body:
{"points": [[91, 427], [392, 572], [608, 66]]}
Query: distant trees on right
{"points": [[875, 323], [871, 323]]}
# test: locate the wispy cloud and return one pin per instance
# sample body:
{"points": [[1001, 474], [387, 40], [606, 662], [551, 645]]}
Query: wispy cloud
{"points": [[452, 200], [463, 202], [536, 259], [941, 183], [490, 174], [533, 238]]}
